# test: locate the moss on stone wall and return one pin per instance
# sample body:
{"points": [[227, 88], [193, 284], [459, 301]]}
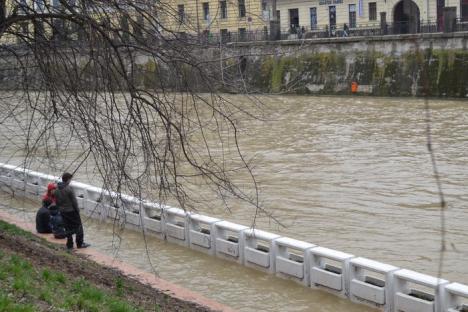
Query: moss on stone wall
{"points": [[440, 73]]}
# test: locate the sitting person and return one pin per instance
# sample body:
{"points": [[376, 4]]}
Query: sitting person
{"points": [[49, 196], [43, 219], [56, 222]]}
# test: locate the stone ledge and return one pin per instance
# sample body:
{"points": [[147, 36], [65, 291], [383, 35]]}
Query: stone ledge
{"points": [[462, 35]]}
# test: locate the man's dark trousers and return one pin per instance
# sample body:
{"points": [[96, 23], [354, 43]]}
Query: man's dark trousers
{"points": [[72, 223]]}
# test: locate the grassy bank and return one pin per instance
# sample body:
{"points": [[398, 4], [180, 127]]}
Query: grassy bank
{"points": [[26, 288], [38, 276]]}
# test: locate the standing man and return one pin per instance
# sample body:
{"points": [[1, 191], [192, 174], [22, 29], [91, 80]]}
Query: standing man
{"points": [[345, 30], [68, 206]]}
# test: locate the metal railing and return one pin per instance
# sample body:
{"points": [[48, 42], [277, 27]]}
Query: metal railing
{"points": [[325, 31]]}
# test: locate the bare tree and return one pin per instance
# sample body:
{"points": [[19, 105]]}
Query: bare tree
{"points": [[110, 83]]}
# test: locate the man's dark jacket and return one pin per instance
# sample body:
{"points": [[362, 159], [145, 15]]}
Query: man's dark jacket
{"points": [[65, 198]]}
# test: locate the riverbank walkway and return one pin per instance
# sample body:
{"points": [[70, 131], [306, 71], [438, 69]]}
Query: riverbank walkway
{"points": [[164, 286]]}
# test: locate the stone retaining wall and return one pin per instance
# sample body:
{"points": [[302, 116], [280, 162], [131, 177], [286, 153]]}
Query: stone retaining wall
{"points": [[403, 65]]}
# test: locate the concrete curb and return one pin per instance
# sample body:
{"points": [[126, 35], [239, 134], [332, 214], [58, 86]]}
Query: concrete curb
{"points": [[127, 269]]}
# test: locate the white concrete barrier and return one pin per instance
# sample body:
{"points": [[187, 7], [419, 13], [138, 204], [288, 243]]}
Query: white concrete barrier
{"points": [[32, 185], [153, 219], [44, 180], [230, 241], [176, 226], [18, 180], [418, 292], [362, 280], [456, 298], [5, 175], [80, 190], [329, 270], [202, 233], [259, 251], [292, 259], [133, 209], [371, 283], [95, 202]]}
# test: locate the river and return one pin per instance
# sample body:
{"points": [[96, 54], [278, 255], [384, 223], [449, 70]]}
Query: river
{"points": [[348, 173]]}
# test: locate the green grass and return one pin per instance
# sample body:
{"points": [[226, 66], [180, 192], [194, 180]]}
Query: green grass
{"points": [[14, 230], [27, 288], [8, 304], [22, 281]]}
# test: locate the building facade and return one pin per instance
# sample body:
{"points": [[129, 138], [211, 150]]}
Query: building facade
{"points": [[246, 17], [408, 15], [216, 16]]}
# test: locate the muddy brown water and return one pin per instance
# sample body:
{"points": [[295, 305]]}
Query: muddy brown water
{"points": [[351, 174]]}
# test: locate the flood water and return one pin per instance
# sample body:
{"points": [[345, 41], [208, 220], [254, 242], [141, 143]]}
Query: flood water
{"points": [[351, 174]]}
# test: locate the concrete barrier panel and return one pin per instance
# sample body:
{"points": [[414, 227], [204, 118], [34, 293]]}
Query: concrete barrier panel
{"points": [[80, 190], [292, 260], [371, 283], [456, 297], [18, 180], [230, 241], [133, 209], [153, 219], [329, 270], [95, 200], [202, 233], [414, 291], [32, 185], [44, 180], [259, 250], [5, 175], [176, 226]]}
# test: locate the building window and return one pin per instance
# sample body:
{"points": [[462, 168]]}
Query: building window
{"points": [[265, 11], [181, 12], [293, 20], [223, 9], [125, 29], [372, 11], [352, 16], [313, 18], [242, 34], [332, 17], [241, 8], [224, 35], [39, 5], [464, 10], [38, 29], [206, 11]]}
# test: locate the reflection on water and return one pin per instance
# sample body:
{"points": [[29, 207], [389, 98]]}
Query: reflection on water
{"points": [[354, 174]]}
